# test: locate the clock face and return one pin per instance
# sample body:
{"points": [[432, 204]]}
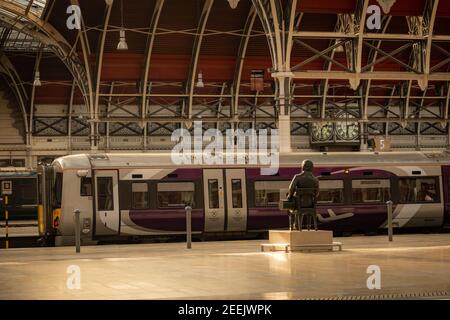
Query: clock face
{"points": [[322, 131], [348, 127]]}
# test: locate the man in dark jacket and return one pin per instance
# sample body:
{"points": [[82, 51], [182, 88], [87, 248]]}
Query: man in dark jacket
{"points": [[305, 180]]}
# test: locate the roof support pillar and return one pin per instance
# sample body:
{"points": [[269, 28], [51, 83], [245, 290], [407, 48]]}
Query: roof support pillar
{"points": [[279, 27]]}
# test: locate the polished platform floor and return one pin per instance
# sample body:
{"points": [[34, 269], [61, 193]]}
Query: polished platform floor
{"points": [[413, 266]]}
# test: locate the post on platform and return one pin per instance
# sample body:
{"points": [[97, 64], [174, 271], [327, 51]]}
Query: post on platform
{"points": [[390, 226], [76, 217], [6, 199], [189, 226]]}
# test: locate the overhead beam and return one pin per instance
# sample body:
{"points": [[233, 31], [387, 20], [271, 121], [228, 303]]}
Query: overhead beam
{"points": [[377, 75], [256, 119]]}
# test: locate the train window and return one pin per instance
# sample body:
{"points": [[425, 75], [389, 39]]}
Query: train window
{"points": [[86, 187], [331, 191], [371, 191], [105, 194], [213, 193], [58, 190], [269, 193], [176, 194], [236, 188], [26, 188], [140, 195], [18, 163], [12, 163], [418, 190]]}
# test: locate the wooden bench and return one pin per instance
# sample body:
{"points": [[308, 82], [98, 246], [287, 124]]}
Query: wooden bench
{"points": [[310, 247]]}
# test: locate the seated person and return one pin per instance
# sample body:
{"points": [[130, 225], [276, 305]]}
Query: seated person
{"points": [[305, 180]]}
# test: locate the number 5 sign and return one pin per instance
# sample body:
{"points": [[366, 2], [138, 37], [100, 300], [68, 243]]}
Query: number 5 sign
{"points": [[382, 144]]}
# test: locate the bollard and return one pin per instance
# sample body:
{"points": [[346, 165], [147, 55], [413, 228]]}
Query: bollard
{"points": [[76, 218], [389, 211], [6, 223], [188, 226]]}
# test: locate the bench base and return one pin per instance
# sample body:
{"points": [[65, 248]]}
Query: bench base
{"points": [[311, 247], [289, 241]]}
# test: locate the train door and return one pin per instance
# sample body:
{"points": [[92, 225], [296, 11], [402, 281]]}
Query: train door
{"points": [[107, 218], [236, 200], [214, 200], [225, 211]]}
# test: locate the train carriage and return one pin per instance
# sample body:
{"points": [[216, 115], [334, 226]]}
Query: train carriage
{"points": [[23, 184], [141, 195]]}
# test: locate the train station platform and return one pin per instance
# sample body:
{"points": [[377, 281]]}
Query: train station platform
{"points": [[412, 266]]}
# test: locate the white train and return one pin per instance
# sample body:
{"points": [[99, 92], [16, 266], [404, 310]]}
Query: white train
{"points": [[124, 196]]}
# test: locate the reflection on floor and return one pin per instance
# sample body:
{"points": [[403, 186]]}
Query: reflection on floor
{"points": [[412, 265]]}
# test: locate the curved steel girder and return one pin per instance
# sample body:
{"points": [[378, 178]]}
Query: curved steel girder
{"points": [[430, 11], [362, 8], [290, 25], [447, 105], [429, 17], [325, 85], [265, 17], [360, 14], [84, 41], [220, 103], [280, 43], [7, 68], [42, 31], [190, 86], [407, 101], [33, 92], [148, 54], [241, 59], [280, 54], [374, 58], [100, 52], [70, 113]]}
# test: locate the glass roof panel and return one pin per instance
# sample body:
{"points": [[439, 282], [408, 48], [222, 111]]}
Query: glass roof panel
{"points": [[19, 41], [37, 6]]}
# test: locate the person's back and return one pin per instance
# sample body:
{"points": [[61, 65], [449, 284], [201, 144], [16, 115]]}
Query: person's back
{"points": [[305, 180], [305, 188]]}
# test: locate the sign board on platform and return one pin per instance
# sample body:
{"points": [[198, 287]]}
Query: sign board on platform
{"points": [[382, 144], [7, 188]]}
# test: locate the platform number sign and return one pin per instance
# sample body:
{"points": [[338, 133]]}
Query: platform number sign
{"points": [[382, 144], [7, 188]]}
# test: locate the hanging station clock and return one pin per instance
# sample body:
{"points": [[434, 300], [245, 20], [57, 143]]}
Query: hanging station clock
{"points": [[322, 131], [347, 128]]}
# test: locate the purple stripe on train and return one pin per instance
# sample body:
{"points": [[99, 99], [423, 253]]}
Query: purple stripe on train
{"points": [[167, 220]]}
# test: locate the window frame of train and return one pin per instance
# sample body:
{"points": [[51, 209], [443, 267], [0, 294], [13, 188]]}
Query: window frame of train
{"points": [[58, 190], [282, 196], [372, 182], [437, 190], [86, 187], [179, 205], [146, 193], [343, 196]]}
